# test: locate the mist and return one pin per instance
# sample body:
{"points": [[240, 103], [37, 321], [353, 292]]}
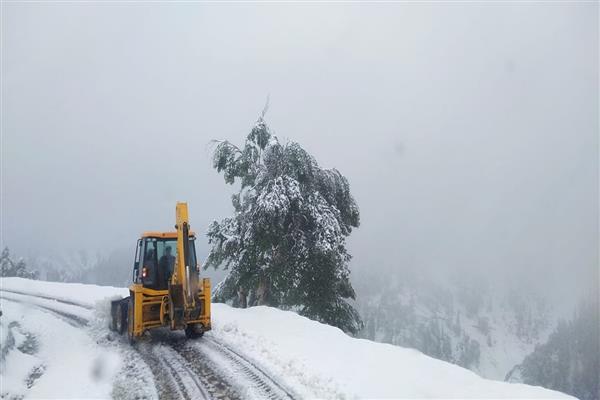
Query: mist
{"points": [[468, 132]]}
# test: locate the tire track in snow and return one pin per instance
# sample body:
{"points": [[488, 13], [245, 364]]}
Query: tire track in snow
{"points": [[187, 378], [168, 383], [69, 302], [189, 369], [225, 373], [173, 380], [72, 319], [258, 383], [200, 366]]}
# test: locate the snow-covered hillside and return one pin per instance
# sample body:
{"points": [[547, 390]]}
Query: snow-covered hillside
{"points": [[467, 321], [44, 355]]}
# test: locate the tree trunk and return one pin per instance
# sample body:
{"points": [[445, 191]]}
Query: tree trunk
{"points": [[252, 298], [242, 300], [262, 292]]}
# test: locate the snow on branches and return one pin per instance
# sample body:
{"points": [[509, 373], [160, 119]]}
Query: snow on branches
{"points": [[8, 267], [285, 245]]}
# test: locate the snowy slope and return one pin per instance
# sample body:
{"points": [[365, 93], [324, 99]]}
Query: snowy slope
{"points": [[336, 365], [312, 359], [46, 357], [468, 322]]}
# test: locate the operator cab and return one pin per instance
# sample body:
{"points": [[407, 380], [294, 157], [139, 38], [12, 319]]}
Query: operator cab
{"points": [[155, 258]]}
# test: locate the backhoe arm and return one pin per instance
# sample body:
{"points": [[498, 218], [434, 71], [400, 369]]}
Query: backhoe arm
{"points": [[185, 274]]}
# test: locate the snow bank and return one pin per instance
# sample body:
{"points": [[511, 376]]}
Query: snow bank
{"points": [[60, 361], [317, 360], [85, 295], [320, 360]]}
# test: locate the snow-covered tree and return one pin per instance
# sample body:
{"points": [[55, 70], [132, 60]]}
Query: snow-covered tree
{"points": [[6, 264], [285, 245], [570, 360], [10, 268]]}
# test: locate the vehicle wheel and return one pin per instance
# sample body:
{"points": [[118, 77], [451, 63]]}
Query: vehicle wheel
{"points": [[194, 331], [120, 320]]}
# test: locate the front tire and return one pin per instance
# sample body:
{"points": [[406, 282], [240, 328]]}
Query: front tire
{"points": [[194, 331]]}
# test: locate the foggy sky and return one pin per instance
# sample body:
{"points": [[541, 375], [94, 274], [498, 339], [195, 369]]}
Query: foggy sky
{"points": [[468, 132]]}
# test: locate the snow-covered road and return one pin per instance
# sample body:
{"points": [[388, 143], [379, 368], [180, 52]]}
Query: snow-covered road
{"points": [[55, 344], [179, 368], [38, 358]]}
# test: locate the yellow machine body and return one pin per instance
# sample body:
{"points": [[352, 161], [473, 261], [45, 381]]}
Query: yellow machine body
{"points": [[151, 309], [159, 296]]}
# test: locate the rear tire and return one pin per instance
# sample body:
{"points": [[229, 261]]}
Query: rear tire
{"points": [[194, 331]]}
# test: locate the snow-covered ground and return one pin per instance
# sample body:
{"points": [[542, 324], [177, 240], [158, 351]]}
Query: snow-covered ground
{"points": [[44, 355]]}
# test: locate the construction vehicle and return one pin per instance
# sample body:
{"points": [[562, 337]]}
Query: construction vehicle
{"points": [[166, 289]]}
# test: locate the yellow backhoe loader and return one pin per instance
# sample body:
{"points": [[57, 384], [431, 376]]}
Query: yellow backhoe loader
{"points": [[166, 289]]}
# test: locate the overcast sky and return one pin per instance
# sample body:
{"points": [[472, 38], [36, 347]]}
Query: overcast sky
{"points": [[468, 131]]}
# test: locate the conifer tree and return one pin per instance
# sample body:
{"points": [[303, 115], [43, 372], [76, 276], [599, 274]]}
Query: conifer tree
{"points": [[9, 268], [285, 245], [570, 360]]}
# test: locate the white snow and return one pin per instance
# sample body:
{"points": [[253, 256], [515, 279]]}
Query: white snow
{"points": [[312, 359], [86, 295], [318, 360], [73, 365]]}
